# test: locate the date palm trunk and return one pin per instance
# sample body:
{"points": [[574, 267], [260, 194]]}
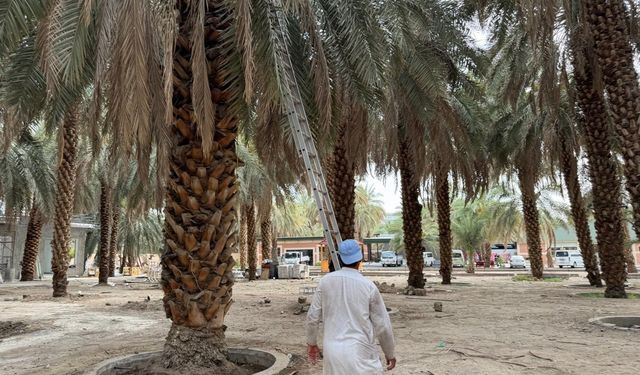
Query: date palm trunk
{"points": [[113, 241], [105, 231], [265, 234], [527, 181], [486, 254], [201, 195], [251, 240], [607, 21], [471, 261], [274, 245], [123, 260], [32, 243], [411, 215], [569, 165], [243, 239], [342, 184], [444, 221], [594, 125], [65, 186]]}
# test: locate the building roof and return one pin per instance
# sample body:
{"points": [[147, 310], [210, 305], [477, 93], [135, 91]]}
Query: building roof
{"points": [[379, 239], [569, 234], [303, 238]]}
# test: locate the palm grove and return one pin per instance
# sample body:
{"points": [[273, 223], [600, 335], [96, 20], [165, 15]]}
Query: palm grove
{"points": [[176, 105]]}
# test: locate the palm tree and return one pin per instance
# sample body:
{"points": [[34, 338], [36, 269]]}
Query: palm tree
{"points": [[139, 234], [347, 159], [27, 182], [254, 187], [592, 117], [297, 216], [36, 82], [65, 181], [506, 221], [608, 24], [266, 239], [520, 128], [468, 224], [443, 205], [105, 230], [593, 122], [568, 147], [411, 211], [427, 50], [113, 240], [458, 131], [242, 246], [430, 238], [32, 243], [369, 211]]}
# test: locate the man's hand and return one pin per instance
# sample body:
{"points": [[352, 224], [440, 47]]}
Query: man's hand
{"points": [[391, 363], [313, 352]]}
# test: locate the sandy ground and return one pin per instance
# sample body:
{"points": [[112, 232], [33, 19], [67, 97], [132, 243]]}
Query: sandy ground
{"points": [[490, 325]]}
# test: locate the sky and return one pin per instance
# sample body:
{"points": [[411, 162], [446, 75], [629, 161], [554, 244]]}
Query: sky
{"points": [[389, 190]]}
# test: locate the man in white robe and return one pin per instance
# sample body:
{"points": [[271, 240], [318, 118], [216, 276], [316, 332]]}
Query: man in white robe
{"points": [[353, 314]]}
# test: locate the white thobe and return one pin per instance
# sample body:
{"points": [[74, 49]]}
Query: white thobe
{"points": [[353, 314]]}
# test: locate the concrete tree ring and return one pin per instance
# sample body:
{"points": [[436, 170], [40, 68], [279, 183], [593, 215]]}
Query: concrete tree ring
{"points": [[626, 323], [272, 360]]}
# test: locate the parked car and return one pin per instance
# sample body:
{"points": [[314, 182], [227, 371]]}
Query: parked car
{"points": [[571, 259], [429, 259], [458, 258], [295, 257], [391, 259], [517, 261]]}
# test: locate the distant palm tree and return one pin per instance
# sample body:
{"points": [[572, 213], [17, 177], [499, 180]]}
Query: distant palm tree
{"points": [[139, 234], [297, 216], [430, 237], [369, 211], [28, 181], [468, 225], [506, 222]]}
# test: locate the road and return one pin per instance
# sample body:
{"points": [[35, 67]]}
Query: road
{"points": [[376, 269]]}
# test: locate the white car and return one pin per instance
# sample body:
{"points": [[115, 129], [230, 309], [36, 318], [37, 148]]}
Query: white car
{"points": [[517, 261], [429, 260], [391, 259], [457, 257], [571, 259]]}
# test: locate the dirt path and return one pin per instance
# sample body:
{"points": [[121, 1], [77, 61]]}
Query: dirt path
{"points": [[488, 326]]}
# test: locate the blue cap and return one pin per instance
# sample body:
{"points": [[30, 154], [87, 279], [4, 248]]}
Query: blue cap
{"points": [[350, 251]]}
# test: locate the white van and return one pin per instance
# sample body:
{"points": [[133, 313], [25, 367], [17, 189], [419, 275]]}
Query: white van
{"points": [[569, 258], [458, 258], [429, 260]]}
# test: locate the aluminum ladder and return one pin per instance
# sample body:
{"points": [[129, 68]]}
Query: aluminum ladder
{"points": [[297, 118]]}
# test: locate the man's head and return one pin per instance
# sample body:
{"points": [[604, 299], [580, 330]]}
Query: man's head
{"points": [[350, 253]]}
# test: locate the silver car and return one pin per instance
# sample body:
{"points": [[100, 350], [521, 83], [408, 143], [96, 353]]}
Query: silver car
{"points": [[517, 261]]}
